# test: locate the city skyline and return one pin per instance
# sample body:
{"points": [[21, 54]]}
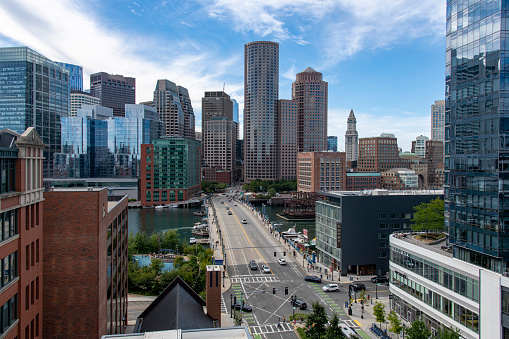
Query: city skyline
{"points": [[342, 40]]}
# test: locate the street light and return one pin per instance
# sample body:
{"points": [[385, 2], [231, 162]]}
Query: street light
{"points": [[355, 295], [362, 307], [376, 290], [231, 305]]}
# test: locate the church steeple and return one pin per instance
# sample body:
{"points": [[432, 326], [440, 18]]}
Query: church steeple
{"points": [[351, 138]]}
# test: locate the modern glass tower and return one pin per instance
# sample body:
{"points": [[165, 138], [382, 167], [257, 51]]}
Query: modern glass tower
{"points": [[235, 111], [34, 92], [477, 132], [75, 75], [332, 143], [261, 92]]}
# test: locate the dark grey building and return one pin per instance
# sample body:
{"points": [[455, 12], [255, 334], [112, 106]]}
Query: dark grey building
{"points": [[353, 227], [114, 91]]}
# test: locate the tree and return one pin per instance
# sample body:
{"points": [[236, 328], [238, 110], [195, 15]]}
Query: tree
{"points": [[334, 331], [363, 296], [157, 265], [271, 192], [448, 333], [395, 323], [429, 216], [418, 330], [379, 312], [316, 321]]}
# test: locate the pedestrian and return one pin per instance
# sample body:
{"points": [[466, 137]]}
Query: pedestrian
{"points": [[320, 276], [278, 322], [284, 320]]}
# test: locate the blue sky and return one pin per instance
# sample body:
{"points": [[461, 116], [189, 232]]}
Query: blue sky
{"points": [[385, 59]]}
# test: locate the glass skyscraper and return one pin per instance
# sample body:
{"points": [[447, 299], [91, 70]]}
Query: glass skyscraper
{"points": [[75, 75], [476, 132], [332, 143], [235, 111], [34, 91]]}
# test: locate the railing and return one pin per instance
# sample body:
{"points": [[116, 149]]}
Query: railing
{"points": [[379, 332]]}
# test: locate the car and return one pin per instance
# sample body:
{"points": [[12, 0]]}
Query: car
{"points": [[230, 213], [245, 308], [244, 221], [222, 202], [253, 265], [331, 288], [265, 269], [281, 261], [347, 330], [234, 204], [357, 287], [313, 278], [300, 304], [381, 279]]}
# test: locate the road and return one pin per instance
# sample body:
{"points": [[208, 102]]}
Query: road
{"points": [[252, 241]]}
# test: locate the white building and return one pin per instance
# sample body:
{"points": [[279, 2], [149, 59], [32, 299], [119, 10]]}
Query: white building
{"points": [[419, 145], [438, 120], [78, 99]]}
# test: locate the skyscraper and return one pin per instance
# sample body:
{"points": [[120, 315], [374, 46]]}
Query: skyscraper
{"points": [[419, 145], [75, 76], [187, 109], [287, 139], [261, 92], [438, 120], [34, 92], [235, 111], [216, 104], [310, 91], [351, 138], [114, 91], [332, 143], [477, 153]]}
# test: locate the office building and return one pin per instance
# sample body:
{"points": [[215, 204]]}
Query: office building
{"points": [[321, 171], [379, 154], [75, 76], [419, 145], [332, 143], [160, 186], [310, 91], [399, 179], [353, 227], [78, 99], [287, 139], [430, 166], [363, 181], [235, 111], [438, 120], [219, 145], [21, 201], [216, 104], [351, 138], [34, 93], [115, 91], [85, 263], [261, 92], [198, 136], [174, 108]]}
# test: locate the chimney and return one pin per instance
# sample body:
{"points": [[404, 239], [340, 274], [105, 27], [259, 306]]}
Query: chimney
{"points": [[213, 292]]}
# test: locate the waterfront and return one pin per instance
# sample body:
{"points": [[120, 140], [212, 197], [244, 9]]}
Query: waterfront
{"points": [[149, 220]]}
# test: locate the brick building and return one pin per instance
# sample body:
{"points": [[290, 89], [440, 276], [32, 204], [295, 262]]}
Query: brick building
{"points": [[21, 200], [363, 181], [321, 171], [380, 154], [399, 179], [85, 263], [170, 170]]}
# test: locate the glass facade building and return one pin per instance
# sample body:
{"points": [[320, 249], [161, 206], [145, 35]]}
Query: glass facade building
{"points": [[235, 111], [75, 76], [476, 132], [332, 143], [34, 91]]}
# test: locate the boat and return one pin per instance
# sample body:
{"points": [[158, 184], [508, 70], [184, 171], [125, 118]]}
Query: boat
{"points": [[199, 226], [192, 241], [199, 213], [158, 207], [291, 232], [200, 232], [277, 225], [173, 205]]}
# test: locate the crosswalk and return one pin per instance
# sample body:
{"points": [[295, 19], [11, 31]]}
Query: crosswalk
{"points": [[351, 323], [224, 309], [254, 279], [272, 328]]}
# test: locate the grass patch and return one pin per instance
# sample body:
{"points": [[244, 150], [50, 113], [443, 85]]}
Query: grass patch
{"points": [[302, 333], [297, 316], [430, 236]]}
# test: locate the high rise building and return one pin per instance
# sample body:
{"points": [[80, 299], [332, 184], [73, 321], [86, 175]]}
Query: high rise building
{"points": [[419, 145], [351, 138], [21, 234], [438, 120], [287, 139], [261, 92], [75, 76], [321, 171], [85, 263], [379, 154], [332, 143], [78, 99], [34, 91], [310, 91], [114, 91], [235, 111], [174, 108], [216, 104]]}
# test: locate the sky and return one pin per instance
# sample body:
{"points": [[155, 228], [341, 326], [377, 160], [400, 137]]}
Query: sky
{"points": [[385, 59]]}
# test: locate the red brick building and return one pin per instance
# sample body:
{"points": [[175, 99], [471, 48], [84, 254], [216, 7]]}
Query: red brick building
{"points": [[85, 263], [363, 181], [321, 171], [21, 200], [380, 154]]}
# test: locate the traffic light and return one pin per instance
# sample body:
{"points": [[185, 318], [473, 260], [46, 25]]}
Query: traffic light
{"points": [[284, 253], [273, 290], [274, 253], [286, 290]]}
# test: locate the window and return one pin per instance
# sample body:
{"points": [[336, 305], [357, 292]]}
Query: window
{"points": [[382, 216], [382, 235], [382, 254], [394, 216], [384, 226]]}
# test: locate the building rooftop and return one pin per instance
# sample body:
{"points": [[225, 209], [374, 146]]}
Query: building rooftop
{"points": [[378, 192], [436, 246], [360, 174], [210, 333]]}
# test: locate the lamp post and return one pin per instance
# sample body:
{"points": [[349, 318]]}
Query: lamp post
{"points": [[376, 290], [403, 330], [231, 305], [362, 307], [355, 295]]}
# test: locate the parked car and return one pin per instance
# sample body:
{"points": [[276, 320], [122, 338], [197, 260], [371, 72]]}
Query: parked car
{"points": [[234, 204], [300, 304], [313, 278], [229, 212], [265, 269], [347, 330], [253, 265], [244, 221], [357, 287], [281, 261], [331, 288], [381, 279], [245, 308]]}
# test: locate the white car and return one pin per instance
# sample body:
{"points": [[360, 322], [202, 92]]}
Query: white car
{"points": [[244, 221], [234, 204], [347, 331], [265, 269], [281, 261], [331, 288]]}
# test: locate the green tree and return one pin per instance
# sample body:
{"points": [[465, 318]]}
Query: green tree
{"points": [[271, 192], [418, 330], [379, 312], [395, 323], [156, 265], [363, 296], [334, 331], [429, 216], [448, 333], [316, 321]]}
